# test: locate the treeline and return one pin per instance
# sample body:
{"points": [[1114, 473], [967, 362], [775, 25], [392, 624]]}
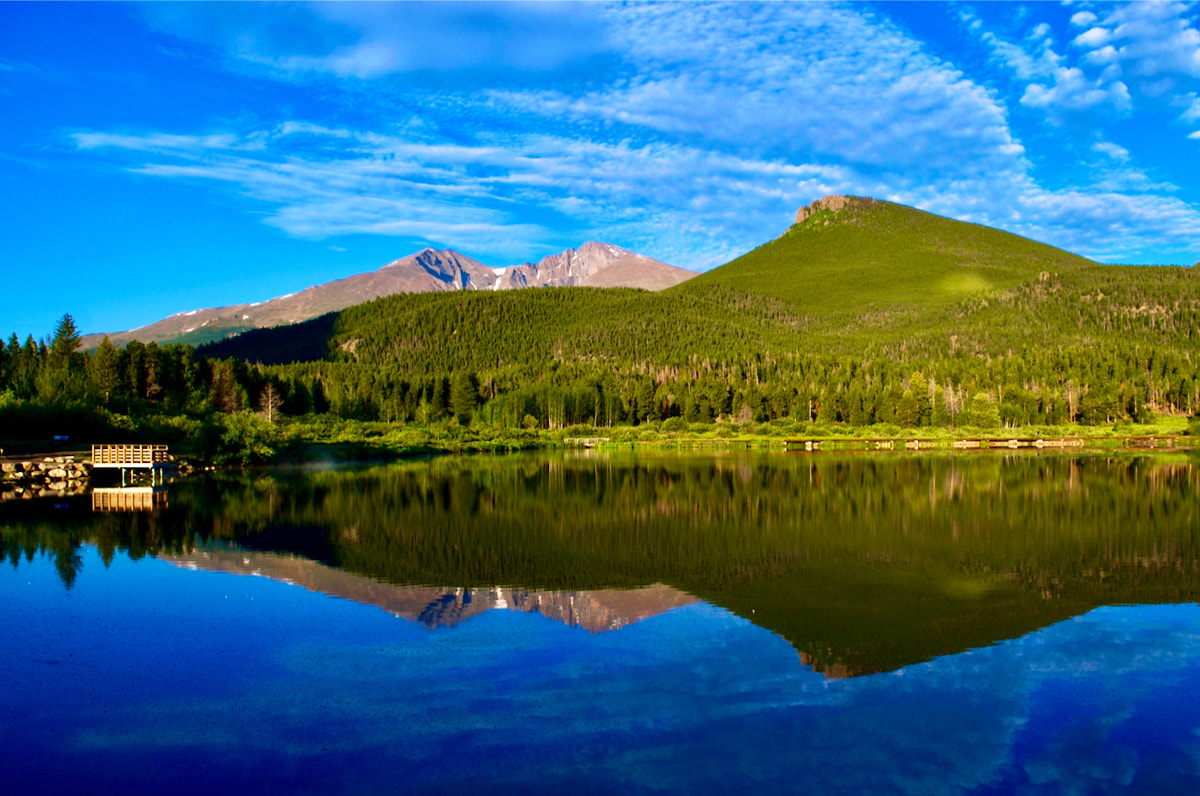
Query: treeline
{"points": [[1088, 385], [136, 379]]}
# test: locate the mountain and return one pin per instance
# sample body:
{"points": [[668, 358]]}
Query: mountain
{"points": [[592, 264], [595, 265]]}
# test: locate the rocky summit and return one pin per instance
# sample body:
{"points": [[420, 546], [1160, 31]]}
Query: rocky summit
{"points": [[832, 203]]}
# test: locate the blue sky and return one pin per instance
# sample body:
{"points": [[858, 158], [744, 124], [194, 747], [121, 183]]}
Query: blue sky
{"points": [[160, 158]]}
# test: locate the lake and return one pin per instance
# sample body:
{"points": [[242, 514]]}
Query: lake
{"points": [[1016, 622]]}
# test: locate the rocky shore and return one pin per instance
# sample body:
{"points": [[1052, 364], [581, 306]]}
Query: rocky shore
{"points": [[45, 477]]}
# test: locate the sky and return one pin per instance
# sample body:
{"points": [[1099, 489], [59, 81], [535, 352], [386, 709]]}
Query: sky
{"points": [[161, 158]]}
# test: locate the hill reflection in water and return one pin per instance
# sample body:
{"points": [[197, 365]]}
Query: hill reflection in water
{"points": [[863, 563]]}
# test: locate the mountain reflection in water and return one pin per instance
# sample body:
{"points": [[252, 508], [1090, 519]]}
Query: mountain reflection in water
{"points": [[433, 607], [863, 563]]}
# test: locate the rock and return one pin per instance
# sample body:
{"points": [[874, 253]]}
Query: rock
{"points": [[57, 473], [8, 467], [834, 204], [58, 486]]}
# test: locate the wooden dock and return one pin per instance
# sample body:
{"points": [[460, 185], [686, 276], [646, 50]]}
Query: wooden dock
{"points": [[124, 457]]}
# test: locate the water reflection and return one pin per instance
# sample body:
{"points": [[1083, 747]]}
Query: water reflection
{"points": [[129, 498], [433, 607], [863, 563]]}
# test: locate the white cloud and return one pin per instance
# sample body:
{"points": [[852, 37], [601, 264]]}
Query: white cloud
{"points": [[682, 204], [1052, 84], [1040, 32], [1191, 107], [1113, 151], [843, 85], [1104, 56], [1195, 136], [1093, 38], [1082, 19], [1072, 90], [164, 142], [1156, 38]]}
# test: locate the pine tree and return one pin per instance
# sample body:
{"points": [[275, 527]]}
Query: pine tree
{"points": [[65, 345], [105, 372], [464, 397]]}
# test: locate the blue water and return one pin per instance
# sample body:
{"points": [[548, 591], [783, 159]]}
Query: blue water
{"points": [[148, 677]]}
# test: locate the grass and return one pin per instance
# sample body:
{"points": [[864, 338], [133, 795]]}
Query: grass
{"points": [[883, 254]]}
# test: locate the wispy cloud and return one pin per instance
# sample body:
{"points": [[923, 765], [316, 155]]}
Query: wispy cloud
{"points": [[1113, 151], [689, 156], [688, 204], [845, 85], [166, 143], [373, 40]]}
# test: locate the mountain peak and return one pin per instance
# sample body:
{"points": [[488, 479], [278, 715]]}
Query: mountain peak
{"points": [[833, 203], [606, 250], [426, 255]]}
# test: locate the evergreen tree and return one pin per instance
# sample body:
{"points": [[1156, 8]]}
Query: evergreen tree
{"points": [[464, 397], [104, 369], [66, 344]]}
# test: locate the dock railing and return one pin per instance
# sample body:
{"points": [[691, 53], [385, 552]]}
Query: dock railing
{"points": [[132, 456]]}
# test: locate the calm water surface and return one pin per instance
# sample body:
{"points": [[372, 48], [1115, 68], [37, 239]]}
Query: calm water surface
{"points": [[575, 623]]}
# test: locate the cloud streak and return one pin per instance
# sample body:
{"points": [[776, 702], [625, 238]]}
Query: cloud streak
{"points": [[690, 157]]}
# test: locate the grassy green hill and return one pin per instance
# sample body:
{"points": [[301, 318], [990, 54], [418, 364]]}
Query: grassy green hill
{"points": [[877, 255]]}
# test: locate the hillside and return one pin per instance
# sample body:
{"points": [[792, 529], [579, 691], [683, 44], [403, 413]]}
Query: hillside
{"points": [[873, 277], [427, 271], [854, 254]]}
